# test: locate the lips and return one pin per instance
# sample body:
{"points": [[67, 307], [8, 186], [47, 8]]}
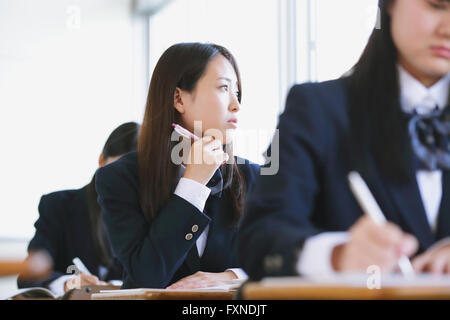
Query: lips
{"points": [[233, 122], [441, 51]]}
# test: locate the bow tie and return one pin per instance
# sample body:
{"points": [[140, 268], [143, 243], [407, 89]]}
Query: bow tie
{"points": [[215, 183], [430, 138]]}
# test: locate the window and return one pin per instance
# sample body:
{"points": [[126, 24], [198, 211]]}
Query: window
{"points": [[68, 76], [249, 29], [331, 36]]}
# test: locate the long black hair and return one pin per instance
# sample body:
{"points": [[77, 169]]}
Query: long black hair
{"points": [[180, 66], [121, 141], [377, 123], [378, 126]]}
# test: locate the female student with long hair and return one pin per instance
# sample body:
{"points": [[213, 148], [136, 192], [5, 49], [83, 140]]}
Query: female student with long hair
{"points": [[70, 226], [175, 224], [389, 121]]}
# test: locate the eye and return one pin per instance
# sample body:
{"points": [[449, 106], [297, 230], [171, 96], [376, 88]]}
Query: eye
{"points": [[224, 87], [238, 94], [437, 5]]}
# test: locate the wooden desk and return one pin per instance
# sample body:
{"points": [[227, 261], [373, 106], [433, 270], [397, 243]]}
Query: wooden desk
{"points": [[37, 265], [260, 291], [158, 294], [85, 292]]}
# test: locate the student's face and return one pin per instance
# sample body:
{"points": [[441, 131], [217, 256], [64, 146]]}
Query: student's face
{"points": [[214, 101], [421, 33]]}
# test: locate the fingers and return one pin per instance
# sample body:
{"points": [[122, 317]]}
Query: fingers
{"points": [[86, 280], [371, 253], [410, 245], [205, 157], [437, 266], [197, 280], [389, 236], [384, 236], [212, 145], [447, 267], [433, 262], [81, 280], [419, 262], [372, 244], [207, 150]]}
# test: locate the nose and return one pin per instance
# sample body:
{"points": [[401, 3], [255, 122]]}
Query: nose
{"points": [[444, 28], [234, 106]]}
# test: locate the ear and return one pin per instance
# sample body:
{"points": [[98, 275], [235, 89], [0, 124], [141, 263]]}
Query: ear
{"points": [[178, 100], [101, 160]]}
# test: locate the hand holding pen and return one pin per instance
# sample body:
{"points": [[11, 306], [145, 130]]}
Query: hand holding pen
{"points": [[374, 240], [82, 278], [206, 155]]}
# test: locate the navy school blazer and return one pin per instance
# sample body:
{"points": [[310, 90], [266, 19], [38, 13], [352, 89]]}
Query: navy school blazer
{"points": [[158, 253], [310, 193], [64, 231]]}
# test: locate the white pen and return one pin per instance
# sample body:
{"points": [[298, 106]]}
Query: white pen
{"points": [[80, 265], [370, 207]]}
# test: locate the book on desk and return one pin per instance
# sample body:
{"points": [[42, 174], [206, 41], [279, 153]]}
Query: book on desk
{"points": [[225, 291]]}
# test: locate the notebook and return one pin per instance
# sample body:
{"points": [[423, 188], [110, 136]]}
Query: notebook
{"points": [[34, 293]]}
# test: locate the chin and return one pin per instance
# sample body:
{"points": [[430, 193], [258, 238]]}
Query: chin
{"points": [[229, 136], [437, 67]]}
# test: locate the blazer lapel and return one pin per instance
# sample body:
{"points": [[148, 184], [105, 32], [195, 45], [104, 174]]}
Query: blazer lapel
{"points": [[408, 202], [403, 205], [219, 237], [443, 225]]}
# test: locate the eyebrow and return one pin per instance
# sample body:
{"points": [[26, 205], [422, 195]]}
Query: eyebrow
{"points": [[227, 79], [224, 78]]}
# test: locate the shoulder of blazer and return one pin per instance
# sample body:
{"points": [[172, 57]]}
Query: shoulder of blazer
{"points": [[126, 164], [121, 174], [316, 114], [63, 202], [330, 97]]}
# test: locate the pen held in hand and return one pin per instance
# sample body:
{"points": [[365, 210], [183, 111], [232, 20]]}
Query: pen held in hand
{"points": [[80, 265], [371, 208], [183, 132]]}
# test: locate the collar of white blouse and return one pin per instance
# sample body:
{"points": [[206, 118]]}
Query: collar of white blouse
{"points": [[415, 96]]}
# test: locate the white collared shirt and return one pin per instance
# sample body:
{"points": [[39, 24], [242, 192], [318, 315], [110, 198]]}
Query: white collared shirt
{"points": [[197, 194], [415, 96], [315, 257]]}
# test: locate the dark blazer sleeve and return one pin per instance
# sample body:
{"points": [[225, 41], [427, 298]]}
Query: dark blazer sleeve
{"points": [[278, 213], [48, 236], [150, 252]]}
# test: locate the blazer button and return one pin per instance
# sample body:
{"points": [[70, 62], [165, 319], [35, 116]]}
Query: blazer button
{"points": [[188, 236], [194, 228]]}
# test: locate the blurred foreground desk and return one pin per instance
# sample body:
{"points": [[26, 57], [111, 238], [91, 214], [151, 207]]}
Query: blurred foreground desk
{"points": [[37, 265], [163, 294], [436, 288]]}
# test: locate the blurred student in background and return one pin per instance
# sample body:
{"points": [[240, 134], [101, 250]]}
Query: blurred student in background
{"points": [[390, 121], [173, 223], [70, 226]]}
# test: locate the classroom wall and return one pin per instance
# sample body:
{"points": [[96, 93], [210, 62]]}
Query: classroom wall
{"points": [[70, 72]]}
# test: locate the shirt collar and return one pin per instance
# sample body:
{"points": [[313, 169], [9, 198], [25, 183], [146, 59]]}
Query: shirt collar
{"points": [[415, 96], [215, 183]]}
